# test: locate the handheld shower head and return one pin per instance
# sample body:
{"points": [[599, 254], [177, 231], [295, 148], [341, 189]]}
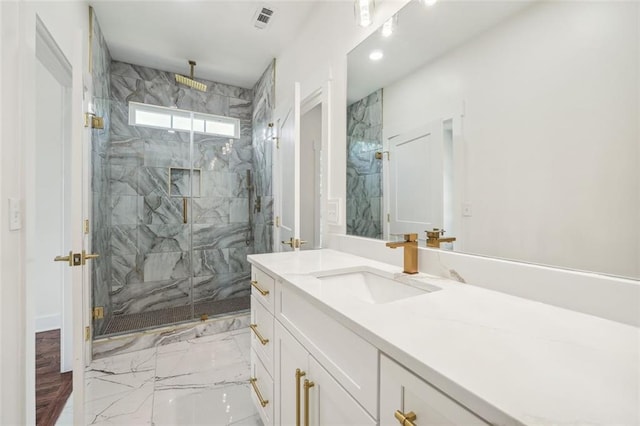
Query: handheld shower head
{"points": [[190, 81]]}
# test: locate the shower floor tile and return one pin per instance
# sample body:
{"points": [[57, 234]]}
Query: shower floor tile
{"points": [[199, 381], [145, 320]]}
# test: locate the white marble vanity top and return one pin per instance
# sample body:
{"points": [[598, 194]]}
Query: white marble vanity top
{"points": [[509, 359]]}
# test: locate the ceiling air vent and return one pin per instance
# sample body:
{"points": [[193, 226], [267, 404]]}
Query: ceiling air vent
{"points": [[262, 17]]}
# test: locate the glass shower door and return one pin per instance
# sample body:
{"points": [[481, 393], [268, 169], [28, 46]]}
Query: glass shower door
{"points": [[222, 234]]}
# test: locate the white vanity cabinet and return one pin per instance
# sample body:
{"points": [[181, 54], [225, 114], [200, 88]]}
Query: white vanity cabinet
{"points": [[308, 394], [262, 344], [405, 395]]}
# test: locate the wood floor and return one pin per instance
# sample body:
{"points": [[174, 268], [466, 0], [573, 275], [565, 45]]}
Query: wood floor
{"points": [[52, 387]]}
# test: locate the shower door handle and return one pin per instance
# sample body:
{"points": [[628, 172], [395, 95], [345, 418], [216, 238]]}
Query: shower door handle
{"points": [[184, 210]]}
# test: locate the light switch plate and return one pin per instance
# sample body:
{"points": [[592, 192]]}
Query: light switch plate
{"points": [[333, 212], [15, 214]]}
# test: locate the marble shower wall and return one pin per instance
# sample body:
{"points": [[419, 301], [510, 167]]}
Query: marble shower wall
{"points": [[364, 172], [100, 218], [151, 266], [263, 104]]}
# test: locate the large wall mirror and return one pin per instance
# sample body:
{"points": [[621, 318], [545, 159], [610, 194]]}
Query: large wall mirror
{"points": [[512, 126]]}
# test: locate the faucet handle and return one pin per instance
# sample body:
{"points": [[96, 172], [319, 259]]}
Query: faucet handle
{"points": [[410, 238]]}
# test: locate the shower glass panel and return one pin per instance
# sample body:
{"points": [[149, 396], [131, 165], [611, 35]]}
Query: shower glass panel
{"points": [[171, 219]]}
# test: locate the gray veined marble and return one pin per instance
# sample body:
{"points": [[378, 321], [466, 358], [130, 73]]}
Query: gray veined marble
{"points": [[211, 262], [163, 238], [159, 209], [218, 236], [141, 175], [181, 184], [126, 209], [124, 239], [211, 210], [153, 181], [159, 266], [364, 171]]}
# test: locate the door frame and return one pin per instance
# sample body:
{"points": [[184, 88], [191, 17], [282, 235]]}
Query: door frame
{"points": [[319, 97], [36, 35]]}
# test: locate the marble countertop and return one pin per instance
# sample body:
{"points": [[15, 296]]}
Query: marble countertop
{"points": [[509, 359]]}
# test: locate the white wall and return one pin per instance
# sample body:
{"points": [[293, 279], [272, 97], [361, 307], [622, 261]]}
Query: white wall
{"points": [[551, 133], [46, 276], [67, 21]]}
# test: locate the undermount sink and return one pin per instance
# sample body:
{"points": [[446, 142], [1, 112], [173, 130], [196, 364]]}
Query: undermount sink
{"points": [[367, 286]]}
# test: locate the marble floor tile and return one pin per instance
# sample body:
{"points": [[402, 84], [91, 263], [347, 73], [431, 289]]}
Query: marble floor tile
{"points": [[225, 405], [199, 381]]}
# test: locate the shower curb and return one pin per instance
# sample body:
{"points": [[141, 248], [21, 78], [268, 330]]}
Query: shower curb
{"points": [[131, 342]]}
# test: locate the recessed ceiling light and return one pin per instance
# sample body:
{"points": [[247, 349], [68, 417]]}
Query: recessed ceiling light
{"points": [[376, 55]]}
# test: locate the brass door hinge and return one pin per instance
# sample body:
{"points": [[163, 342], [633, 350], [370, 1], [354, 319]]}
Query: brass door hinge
{"points": [[87, 333], [98, 312], [93, 121], [86, 226], [277, 221]]}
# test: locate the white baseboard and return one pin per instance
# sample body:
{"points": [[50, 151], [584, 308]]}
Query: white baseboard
{"points": [[48, 322]]}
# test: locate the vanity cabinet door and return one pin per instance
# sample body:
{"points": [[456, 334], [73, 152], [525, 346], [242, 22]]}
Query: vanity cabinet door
{"points": [[402, 391], [329, 403], [262, 390], [322, 401], [291, 358]]}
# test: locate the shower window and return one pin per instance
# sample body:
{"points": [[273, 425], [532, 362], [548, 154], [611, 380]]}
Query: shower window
{"points": [[158, 117]]}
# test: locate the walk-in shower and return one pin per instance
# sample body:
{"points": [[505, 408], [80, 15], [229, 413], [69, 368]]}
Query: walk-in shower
{"points": [[172, 193]]}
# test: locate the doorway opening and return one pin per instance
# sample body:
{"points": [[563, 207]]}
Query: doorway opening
{"points": [[48, 229]]}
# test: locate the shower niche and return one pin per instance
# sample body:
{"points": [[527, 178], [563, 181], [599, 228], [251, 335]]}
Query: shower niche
{"points": [[172, 201]]}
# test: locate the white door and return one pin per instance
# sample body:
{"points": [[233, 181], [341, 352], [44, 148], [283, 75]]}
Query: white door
{"points": [[288, 177], [72, 186], [415, 170]]}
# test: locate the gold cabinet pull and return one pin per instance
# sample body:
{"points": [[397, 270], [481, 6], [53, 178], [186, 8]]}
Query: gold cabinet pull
{"points": [[299, 374], [254, 327], [307, 385], [263, 401], [68, 259], [406, 419], [260, 289]]}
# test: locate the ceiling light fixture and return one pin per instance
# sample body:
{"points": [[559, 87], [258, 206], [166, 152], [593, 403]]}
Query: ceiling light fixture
{"points": [[376, 55], [364, 10], [389, 26]]}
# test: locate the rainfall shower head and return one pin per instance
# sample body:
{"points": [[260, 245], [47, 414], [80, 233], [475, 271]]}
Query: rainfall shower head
{"points": [[190, 81]]}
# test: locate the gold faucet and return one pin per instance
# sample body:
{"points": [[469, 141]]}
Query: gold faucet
{"points": [[434, 240], [410, 245]]}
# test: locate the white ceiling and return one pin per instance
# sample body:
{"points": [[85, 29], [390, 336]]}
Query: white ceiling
{"points": [[218, 34], [423, 34]]}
